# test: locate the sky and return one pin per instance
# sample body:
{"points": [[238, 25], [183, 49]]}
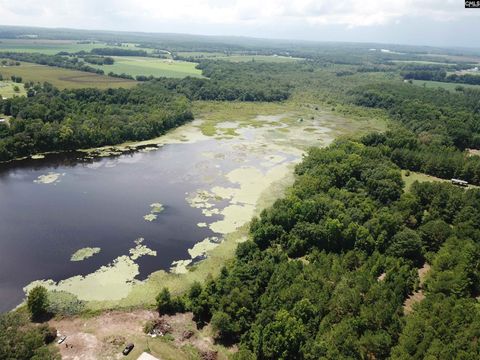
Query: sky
{"points": [[419, 22]]}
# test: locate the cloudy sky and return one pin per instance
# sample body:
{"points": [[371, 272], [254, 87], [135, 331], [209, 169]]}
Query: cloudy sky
{"points": [[428, 22]]}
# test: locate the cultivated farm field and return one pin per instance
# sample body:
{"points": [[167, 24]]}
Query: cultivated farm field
{"points": [[52, 47], [239, 57], [151, 66], [64, 78]]}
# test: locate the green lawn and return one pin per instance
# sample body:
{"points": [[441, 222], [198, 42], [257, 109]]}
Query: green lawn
{"points": [[421, 177], [445, 85], [151, 66], [7, 89], [63, 78], [416, 176]]}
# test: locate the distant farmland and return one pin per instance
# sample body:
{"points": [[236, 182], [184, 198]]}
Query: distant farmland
{"points": [[63, 78], [151, 66], [238, 57], [445, 85], [52, 47]]}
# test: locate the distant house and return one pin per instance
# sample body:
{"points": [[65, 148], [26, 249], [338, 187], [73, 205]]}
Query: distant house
{"points": [[459, 182]]}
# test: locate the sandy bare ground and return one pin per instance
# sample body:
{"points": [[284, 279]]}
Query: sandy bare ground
{"points": [[104, 336], [473, 152], [418, 295], [100, 337]]}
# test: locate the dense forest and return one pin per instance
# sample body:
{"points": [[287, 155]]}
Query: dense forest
{"points": [[441, 75], [442, 125], [20, 339], [53, 120], [118, 52], [330, 266]]}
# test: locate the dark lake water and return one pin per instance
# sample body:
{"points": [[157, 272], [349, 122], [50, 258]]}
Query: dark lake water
{"points": [[98, 203]]}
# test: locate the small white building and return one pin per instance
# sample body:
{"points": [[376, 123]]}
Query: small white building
{"points": [[459, 182], [147, 356]]}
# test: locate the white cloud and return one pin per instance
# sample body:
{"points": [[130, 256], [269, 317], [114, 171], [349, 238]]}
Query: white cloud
{"points": [[301, 18], [333, 12]]}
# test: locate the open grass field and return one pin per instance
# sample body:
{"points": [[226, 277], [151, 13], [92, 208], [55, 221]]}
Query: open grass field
{"points": [[7, 89], [416, 176], [422, 62], [151, 66], [421, 177], [64, 78], [445, 85], [52, 47], [239, 57]]}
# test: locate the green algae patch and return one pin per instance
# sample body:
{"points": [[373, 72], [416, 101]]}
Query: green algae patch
{"points": [[111, 282], [201, 248], [38, 157], [150, 217], [155, 209], [50, 178], [141, 250], [84, 253]]}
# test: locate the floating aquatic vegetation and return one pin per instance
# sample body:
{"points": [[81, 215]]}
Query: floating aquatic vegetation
{"points": [[273, 160], [180, 266], [141, 250], [201, 248], [50, 178], [202, 224], [150, 217], [84, 253], [110, 282], [155, 209], [38, 157], [148, 149]]}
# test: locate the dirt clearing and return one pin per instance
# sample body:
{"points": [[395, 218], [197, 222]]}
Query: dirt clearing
{"points": [[104, 337]]}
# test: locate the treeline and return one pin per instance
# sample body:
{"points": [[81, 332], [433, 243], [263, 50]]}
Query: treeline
{"points": [[6, 62], [99, 60], [441, 75], [442, 125], [329, 267], [52, 60], [438, 116], [53, 120], [414, 153], [235, 81], [118, 52]]}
